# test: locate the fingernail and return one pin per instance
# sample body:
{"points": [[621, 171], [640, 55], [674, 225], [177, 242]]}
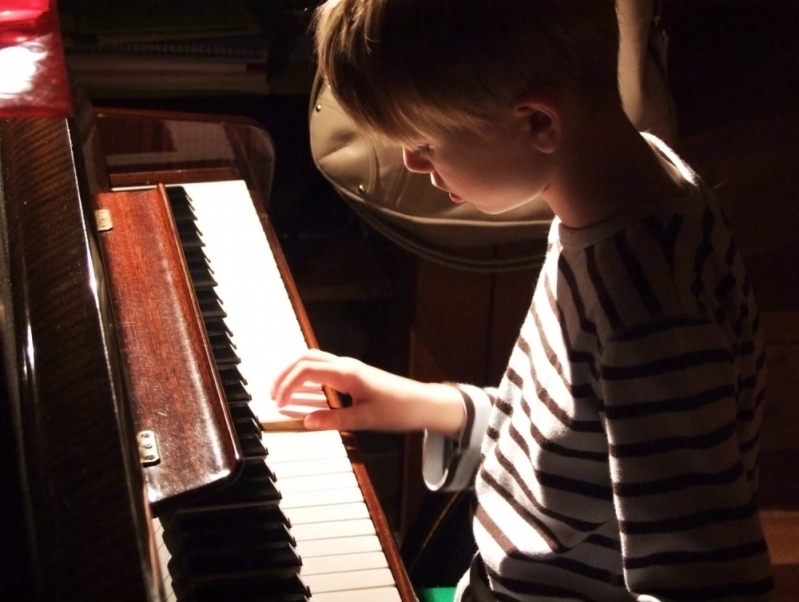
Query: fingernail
{"points": [[311, 421]]}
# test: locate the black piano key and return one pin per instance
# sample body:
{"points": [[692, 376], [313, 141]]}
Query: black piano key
{"points": [[248, 432], [254, 535], [235, 392], [225, 355], [200, 271], [196, 256], [260, 547], [247, 425], [241, 409], [251, 447], [230, 517], [255, 484], [210, 309], [214, 326], [241, 558], [190, 237], [188, 229], [198, 262], [208, 294], [220, 339], [183, 216], [177, 195], [182, 212], [202, 279], [283, 586]]}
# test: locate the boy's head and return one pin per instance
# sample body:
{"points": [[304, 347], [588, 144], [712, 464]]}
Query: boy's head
{"points": [[401, 67]]}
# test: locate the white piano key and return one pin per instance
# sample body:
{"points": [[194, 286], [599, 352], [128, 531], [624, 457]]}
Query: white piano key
{"points": [[238, 252], [328, 497], [163, 560], [331, 530], [380, 594], [285, 470], [294, 454], [336, 582], [310, 397], [342, 563], [339, 480], [333, 512], [338, 546], [309, 387], [294, 439]]}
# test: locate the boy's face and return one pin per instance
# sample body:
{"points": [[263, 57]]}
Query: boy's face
{"points": [[495, 171]]}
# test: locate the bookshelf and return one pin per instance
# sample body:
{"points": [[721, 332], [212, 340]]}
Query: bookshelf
{"points": [[174, 48]]}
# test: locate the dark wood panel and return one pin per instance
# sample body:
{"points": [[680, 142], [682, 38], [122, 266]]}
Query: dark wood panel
{"points": [[88, 523], [168, 365]]}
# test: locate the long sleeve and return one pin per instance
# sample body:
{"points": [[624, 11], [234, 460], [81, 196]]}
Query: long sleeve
{"points": [[450, 465]]}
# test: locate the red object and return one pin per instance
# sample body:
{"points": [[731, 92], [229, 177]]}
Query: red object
{"points": [[22, 10], [33, 80]]}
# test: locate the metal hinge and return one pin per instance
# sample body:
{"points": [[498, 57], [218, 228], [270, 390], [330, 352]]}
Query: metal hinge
{"points": [[148, 448]]}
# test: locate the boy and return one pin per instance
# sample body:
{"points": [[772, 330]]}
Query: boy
{"points": [[617, 460]]}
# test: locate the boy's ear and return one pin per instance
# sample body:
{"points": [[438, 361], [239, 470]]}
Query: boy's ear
{"points": [[544, 120]]}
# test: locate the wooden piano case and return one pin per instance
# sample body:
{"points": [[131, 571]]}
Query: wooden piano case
{"points": [[70, 462]]}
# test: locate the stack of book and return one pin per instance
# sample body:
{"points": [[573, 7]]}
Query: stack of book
{"points": [[118, 48]]}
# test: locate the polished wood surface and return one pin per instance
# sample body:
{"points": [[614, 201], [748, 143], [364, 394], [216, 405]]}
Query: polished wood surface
{"points": [[244, 151], [174, 390], [78, 477], [155, 147]]}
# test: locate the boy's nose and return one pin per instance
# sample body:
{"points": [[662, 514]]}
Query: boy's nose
{"points": [[414, 161]]}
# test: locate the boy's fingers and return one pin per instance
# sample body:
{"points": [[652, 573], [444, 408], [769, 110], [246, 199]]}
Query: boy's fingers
{"points": [[322, 368], [342, 419], [326, 420], [283, 374]]}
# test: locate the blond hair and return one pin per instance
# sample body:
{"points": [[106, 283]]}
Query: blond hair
{"points": [[400, 67]]}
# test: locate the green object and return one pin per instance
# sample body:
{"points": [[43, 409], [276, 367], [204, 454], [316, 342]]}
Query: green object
{"points": [[436, 594]]}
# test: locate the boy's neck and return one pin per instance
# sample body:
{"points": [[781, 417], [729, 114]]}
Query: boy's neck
{"points": [[608, 168]]}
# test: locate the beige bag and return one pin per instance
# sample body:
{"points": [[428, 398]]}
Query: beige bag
{"points": [[406, 208]]}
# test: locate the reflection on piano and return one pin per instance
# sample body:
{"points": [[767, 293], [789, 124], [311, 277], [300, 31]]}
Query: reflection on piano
{"points": [[71, 418]]}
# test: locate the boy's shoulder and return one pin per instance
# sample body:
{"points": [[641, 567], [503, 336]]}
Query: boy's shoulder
{"points": [[640, 266]]}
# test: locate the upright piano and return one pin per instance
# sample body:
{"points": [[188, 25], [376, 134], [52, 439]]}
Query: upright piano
{"points": [[91, 510]]}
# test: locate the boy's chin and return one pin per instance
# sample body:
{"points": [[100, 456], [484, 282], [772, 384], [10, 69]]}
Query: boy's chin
{"points": [[500, 208]]}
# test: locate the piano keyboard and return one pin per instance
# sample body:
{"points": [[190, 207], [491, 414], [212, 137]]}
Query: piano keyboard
{"points": [[342, 559]]}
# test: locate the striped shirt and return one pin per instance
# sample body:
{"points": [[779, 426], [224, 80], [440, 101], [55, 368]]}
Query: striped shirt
{"points": [[617, 459]]}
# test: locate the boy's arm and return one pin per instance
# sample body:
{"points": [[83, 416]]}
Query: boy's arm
{"points": [[683, 462], [380, 400]]}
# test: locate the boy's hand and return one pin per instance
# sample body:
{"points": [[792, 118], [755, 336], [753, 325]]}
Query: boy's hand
{"points": [[380, 400]]}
